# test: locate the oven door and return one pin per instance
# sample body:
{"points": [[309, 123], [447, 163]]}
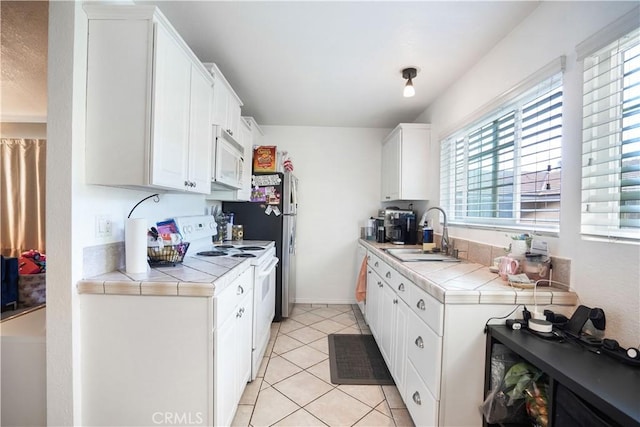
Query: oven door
{"points": [[264, 310]]}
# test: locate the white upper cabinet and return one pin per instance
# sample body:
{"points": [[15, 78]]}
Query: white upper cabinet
{"points": [[246, 139], [404, 163], [171, 98], [251, 135], [226, 104], [148, 103], [201, 135]]}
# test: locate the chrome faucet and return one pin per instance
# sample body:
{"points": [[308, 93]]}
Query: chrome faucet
{"points": [[444, 242]]}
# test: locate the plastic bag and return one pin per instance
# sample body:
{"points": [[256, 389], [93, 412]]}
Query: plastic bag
{"points": [[537, 403], [510, 380]]}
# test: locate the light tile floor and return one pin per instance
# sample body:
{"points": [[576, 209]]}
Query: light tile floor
{"points": [[294, 386]]}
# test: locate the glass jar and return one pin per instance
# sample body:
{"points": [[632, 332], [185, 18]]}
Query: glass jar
{"points": [[237, 232]]}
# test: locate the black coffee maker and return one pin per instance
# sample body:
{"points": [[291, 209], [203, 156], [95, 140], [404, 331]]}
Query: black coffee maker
{"points": [[400, 226]]}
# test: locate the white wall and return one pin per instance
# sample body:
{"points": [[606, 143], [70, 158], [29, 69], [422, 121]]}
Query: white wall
{"points": [[23, 367], [339, 173], [605, 275]]}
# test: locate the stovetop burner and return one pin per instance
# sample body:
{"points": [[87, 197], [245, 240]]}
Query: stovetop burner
{"points": [[251, 248], [225, 246], [212, 253], [243, 255]]}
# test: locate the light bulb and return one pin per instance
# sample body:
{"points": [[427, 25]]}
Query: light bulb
{"points": [[409, 90]]}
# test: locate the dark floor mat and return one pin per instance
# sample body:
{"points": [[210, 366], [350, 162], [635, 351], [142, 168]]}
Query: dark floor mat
{"points": [[356, 359]]}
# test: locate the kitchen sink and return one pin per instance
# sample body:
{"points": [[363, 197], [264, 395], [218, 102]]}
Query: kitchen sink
{"points": [[416, 255]]}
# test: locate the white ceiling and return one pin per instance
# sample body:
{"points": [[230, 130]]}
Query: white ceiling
{"points": [[327, 63], [23, 60], [339, 63]]}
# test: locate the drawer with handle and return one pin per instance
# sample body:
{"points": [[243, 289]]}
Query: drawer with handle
{"points": [[421, 404], [400, 284], [397, 281], [424, 350], [230, 297], [427, 308], [377, 265]]}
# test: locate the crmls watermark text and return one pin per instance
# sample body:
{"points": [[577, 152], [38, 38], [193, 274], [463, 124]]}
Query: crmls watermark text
{"points": [[177, 418]]}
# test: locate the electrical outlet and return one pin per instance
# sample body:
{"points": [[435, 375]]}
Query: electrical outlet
{"points": [[104, 226]]}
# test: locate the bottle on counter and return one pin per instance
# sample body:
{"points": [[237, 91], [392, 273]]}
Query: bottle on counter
{"points": [[229, 233], [427, 239], [380, 234]]}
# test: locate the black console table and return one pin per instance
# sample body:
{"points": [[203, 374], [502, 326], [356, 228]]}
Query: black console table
{"points": [[602, 383]]}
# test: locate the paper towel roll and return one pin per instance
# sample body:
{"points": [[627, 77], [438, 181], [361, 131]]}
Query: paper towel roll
{"points": [[135, 243]]}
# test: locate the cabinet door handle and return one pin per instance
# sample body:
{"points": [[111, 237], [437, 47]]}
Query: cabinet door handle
{"points": [[387, 197], [416, 398], [401, 287], [419, 342], [375, 264], [421, 305], [388, 275], [240, 290], [379, 284]]}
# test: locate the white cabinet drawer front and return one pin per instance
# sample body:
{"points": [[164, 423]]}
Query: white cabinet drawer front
{"points": [[421, 404], [401, 285], [373, 307], [226, 302], [377, 264], [425, 352], [397, 281], [429, 309]]}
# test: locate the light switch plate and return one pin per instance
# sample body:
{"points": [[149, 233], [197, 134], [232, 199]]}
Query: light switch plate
{"points": [[104, 226]]}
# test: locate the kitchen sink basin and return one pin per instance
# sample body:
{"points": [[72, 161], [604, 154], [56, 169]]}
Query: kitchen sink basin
{"points": [[416, 255]]}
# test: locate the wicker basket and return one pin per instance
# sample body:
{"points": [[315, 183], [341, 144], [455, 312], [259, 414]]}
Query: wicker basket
{"points": [[167, 255]]}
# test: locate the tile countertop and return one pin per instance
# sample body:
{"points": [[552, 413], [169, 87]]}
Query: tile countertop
{"points": [[468, 283], [196, 277]]}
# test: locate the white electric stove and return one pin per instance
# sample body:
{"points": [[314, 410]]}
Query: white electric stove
{"points": [[200, 232]]}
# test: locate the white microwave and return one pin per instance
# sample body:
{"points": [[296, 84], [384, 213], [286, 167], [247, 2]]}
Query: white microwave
{"points": [[228, 161]]}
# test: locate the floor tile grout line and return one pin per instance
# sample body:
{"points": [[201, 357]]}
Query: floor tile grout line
{"points": [[359, 324]]}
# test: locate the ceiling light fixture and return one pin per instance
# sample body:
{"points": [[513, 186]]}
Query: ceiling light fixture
{"points": [[409, 74]]}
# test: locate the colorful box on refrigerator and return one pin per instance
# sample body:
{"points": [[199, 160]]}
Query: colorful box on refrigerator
{"points": [[264, 159]]}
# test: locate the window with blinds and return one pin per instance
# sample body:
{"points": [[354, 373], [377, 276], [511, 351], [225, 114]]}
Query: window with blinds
{"points": [[503, 170], [611, 140]]}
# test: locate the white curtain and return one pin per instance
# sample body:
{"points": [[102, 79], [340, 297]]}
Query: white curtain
{"points": [[22, 195]]}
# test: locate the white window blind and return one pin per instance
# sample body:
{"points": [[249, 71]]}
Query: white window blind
{"points": [[503, 170], [611, 140]]}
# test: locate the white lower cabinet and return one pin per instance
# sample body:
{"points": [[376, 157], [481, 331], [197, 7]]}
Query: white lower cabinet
{"points": [[156, 359], [389, 315], [232, 348], [425, 352], [373, 310], [434, 351], [387, 324], [399, 345], [421, 404]]}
